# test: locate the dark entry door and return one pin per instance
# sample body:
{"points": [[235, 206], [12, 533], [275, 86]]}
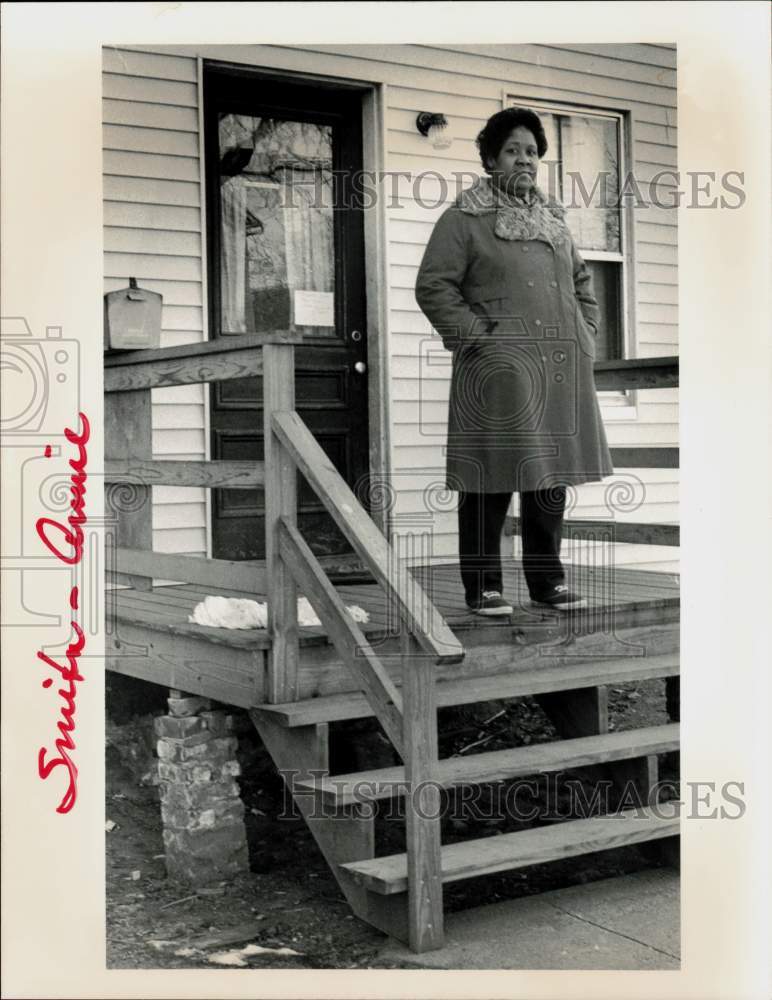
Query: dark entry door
{"points": [[286, 249]]}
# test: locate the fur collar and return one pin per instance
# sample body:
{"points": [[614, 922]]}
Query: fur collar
{"points": [[534, 217]]}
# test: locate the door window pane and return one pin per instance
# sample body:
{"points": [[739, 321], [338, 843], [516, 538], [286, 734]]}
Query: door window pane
{"points": [[277, 256]]}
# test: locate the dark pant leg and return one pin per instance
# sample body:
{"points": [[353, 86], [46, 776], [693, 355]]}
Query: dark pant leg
{"points": [[541, 530], [480, 523]]}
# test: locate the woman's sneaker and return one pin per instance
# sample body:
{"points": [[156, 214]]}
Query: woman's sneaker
{"points": [[562, 598], [491, 604]]}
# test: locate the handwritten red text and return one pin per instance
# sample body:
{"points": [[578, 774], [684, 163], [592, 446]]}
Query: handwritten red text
{"points": [[70, 537]]}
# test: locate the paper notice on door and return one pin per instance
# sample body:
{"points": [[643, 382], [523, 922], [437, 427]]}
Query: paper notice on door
{"points": [[314, 308]]}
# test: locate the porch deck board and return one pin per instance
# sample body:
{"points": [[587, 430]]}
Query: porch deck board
{"points": [[631, 624], [621, 590]]}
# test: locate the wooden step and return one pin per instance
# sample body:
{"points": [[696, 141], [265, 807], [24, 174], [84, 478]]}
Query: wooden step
{"points": [[515, 683], [470, 858], [346, 789]]}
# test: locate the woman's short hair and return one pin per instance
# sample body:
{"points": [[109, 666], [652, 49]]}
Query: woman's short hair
{"points": [[498, 127]]}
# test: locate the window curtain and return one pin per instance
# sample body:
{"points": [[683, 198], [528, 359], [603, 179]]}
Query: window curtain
{"points": [[589, 150], [233, 244], [309, 238]]}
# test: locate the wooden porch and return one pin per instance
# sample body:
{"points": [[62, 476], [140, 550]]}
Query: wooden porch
{"points": [[622, 603], [419, 650]]}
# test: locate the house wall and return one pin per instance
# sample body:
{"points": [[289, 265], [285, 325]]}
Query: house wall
{"points": [[154, 224]]}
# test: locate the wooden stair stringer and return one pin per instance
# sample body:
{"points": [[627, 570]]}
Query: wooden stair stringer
{"points": [[346, 836]]}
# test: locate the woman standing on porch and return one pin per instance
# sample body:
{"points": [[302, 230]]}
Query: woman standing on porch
{"points": [[504, 286]]}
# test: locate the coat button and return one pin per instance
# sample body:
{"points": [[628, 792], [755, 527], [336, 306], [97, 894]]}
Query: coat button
{"points": [[524, 249], [544, 357], [537, 322], [554, 284], [530, 284]]}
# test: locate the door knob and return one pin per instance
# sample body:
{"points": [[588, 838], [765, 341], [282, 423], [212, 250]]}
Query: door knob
{"points": [[360, 367]]}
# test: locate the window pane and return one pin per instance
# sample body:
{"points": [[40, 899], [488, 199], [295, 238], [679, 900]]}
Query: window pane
{"points": [[550, 170], [581, 169], [590, 162], [606, 279], [277, 235]]}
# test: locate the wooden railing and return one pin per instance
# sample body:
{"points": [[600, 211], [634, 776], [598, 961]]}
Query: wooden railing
{"points": [[644, 373], [289, 446], [408, 715]]}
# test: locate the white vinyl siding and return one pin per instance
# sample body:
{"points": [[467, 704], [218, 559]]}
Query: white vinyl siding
{"points": [[152, 232], [153, 221]]}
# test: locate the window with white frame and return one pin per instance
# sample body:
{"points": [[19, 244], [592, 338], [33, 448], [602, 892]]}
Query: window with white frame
{"points": [[583, 170]]}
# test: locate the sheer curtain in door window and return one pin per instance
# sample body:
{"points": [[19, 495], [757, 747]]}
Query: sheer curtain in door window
{"points": [[233, 254], [309, 233]]}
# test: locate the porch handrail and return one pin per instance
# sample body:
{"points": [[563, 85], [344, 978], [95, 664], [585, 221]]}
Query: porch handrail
{"points": [[137, 372], [630, 373], [637, 373], [348, 639], [413, 604], [239, 357], [219, 473], [242, 356], [408, 716], [188, 364]]}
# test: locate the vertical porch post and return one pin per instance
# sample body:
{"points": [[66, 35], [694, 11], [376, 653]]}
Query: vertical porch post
{"points": [[280, 501], [128, 434], [422, 807]]}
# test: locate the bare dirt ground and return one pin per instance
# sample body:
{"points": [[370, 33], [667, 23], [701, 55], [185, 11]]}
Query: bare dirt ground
{"points": [[289, 903]]}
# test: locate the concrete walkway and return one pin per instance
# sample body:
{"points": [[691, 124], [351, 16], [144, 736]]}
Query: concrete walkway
{"points": [[631, 922]]}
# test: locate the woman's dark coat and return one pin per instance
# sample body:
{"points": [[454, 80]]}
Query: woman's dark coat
{"points": [[520, 318]]}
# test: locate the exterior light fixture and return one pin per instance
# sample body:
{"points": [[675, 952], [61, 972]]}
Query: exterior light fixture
{"points": [[433, 127]]}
